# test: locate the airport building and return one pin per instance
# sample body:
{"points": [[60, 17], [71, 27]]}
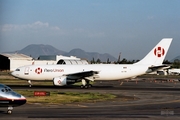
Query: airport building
{"points": [[12, 61]]}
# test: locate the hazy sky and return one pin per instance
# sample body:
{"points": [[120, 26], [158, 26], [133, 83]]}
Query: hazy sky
{"points": [[132, 27]]}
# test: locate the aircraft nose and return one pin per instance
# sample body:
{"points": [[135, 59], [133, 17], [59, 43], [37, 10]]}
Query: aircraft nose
{"points": [[12, 73], [23, 100], [18, 101], [15, 74], [22, 97]]}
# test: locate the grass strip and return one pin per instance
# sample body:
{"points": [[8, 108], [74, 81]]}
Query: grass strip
{"points": [[65, 97]]}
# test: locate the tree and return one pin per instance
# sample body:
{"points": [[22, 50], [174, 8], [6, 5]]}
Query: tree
{"points": [[123, 61], [176, 63], [93, 61], [98, 61], [166, 62], [108, 62]]}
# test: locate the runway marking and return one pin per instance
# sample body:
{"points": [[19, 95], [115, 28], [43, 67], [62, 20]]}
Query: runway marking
{"points": [[131, 104], [82, 105], [77, 105]]}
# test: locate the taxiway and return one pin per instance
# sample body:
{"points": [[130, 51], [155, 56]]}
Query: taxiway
{"points": [[148, 100]]}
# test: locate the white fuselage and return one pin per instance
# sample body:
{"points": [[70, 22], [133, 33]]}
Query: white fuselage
{"points": [[106, 71], [63, 74]]}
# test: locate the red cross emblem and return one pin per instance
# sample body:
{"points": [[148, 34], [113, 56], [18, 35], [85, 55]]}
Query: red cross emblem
{"points": [[38, 70], [159, 51]]}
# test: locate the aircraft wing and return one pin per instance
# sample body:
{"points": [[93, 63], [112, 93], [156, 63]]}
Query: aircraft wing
{"points": [[81, 75]]}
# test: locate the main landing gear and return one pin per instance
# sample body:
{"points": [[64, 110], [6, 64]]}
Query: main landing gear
{"points": [[85, 84], [9, 111]]}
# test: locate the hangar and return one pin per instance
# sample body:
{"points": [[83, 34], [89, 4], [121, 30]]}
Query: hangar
{"points": [[11, 61]]}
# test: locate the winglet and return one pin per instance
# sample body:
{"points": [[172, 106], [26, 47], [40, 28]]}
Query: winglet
{"points": [[157, 55]]}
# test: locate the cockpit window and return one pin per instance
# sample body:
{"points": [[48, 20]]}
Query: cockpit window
{"points": [[17, 70], [6, 89], [2, 90]]}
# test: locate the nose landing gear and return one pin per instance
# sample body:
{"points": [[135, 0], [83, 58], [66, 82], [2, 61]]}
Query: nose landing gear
{"points": [[9, 111], [30, 84]]}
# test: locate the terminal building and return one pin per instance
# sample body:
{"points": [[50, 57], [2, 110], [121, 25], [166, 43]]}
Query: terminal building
{"points": [[10, 61]]}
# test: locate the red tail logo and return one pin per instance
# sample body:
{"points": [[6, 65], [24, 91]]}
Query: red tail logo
{"points": [[159, 51], [38, 70]]}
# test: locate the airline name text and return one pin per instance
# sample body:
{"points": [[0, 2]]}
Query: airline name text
{"points": [[53, 70]]}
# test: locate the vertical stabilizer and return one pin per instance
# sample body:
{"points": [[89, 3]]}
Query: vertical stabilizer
{"points": [[157, 55]]}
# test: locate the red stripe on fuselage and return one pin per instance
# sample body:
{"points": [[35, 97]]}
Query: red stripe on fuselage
{"points": [[12, 99]]}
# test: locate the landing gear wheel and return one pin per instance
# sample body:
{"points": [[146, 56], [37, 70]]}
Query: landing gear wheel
{"points": [[89, 85], [9, 112], [82, 86], [86, 86]]}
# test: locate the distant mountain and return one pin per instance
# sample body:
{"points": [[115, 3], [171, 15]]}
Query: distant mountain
{"points": [[35, 50], [90, 55], [178, 57]]}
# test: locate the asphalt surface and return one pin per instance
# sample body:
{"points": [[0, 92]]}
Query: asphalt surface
{"points": [[149, 100]]}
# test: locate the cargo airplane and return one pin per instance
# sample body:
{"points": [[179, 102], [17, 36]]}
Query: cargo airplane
{"points": [[68, 74], [9, 98]]}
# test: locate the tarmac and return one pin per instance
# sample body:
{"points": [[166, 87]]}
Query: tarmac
{"points": [[144, 100]]}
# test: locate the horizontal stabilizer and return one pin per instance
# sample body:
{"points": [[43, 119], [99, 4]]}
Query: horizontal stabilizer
{"points": [[155, 68]]}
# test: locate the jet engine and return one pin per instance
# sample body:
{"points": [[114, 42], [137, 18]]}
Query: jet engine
{"points": [[60, 81]]}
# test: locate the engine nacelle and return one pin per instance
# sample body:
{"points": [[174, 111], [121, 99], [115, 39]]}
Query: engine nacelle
{"points": [[60, 81]]}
